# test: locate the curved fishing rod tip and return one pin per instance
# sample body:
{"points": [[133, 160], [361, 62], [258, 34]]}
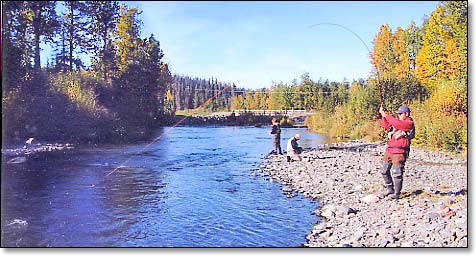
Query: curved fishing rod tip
{"points": [[323, 23], [313, 25]]}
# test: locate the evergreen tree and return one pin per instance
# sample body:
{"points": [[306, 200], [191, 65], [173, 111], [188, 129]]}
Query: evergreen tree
{"points": [[77, 39], [61, 49], [16, 45], [44, 24], [104, 15]]}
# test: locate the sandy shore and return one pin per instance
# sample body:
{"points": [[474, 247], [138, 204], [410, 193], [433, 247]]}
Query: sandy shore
{"points": [[345, 179]]}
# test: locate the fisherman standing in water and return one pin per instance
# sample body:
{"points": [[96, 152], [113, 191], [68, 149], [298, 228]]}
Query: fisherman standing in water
{"points": [[276, 131], [400, 133]]}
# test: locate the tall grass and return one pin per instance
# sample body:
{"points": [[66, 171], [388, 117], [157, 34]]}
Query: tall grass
{"points": [[440, 130], [320, 122]]}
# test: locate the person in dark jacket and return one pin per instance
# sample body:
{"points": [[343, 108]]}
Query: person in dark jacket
{"points": [[276, 131], [293, 150], [400, 132]]}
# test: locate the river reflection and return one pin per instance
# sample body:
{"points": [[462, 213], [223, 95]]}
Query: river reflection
{"points": [[191, 188]]}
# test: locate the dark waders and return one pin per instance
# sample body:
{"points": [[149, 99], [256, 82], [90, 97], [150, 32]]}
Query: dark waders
{"points": [[393, 182], [277, 144]]}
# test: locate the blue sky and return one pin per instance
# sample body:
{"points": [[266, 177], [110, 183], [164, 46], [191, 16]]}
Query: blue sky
{"points": [[256, 43]]}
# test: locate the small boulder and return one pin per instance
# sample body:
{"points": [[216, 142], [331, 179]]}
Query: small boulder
{"points": [[371, 198], [328, 214]]}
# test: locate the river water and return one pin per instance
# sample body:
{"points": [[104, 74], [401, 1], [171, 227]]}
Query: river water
{"points": [[191, 188]]}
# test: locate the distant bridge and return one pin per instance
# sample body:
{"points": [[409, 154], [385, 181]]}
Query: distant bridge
{"points": [[289, 113], [251, 117]]}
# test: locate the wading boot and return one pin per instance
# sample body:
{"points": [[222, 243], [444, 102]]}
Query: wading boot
{"points": [[398, 181], [387, 180], [389, 191]]}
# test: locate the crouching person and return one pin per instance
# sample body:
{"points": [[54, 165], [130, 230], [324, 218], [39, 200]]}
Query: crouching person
{"points": [[293, 150]]}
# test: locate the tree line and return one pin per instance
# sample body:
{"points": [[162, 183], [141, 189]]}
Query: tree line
{"points": [[128, 89], [305, 94], [191, 93]]}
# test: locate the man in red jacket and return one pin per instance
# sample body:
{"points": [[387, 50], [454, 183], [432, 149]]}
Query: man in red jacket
{"points": [[400, 132]]}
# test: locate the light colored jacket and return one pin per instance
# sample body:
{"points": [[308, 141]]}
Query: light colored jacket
{"points": [[291, 146]]}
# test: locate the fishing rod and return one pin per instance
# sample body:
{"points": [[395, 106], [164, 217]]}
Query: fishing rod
{"points": [[368, 49]]}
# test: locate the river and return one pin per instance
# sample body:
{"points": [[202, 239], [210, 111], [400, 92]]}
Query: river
{"points": [[190, 188]]}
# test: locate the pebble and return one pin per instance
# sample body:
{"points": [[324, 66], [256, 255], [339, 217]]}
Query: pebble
{"points": [[345, 179]]}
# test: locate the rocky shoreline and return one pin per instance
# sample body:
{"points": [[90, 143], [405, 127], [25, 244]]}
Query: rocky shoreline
{"points": [[18, 154], [345, 179]]}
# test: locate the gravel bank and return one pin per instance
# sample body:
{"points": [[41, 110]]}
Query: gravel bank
{"points": [[345, 179], [20, 154]]}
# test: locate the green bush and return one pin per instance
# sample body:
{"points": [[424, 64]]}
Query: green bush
{"points": [[79, 88], [319, 122]]}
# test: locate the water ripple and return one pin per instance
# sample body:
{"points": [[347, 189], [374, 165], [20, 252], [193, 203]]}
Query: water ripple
{"points": [[192, 188]]}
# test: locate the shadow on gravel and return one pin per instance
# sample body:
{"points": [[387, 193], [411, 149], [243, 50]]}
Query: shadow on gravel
{"points": [[415, 193], [427, 163], [451, 193], [325, 157], [359, 147], [440, 193]]}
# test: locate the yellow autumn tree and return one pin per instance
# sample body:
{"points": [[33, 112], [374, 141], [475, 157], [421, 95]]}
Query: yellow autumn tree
{"points": [[425, 71], [441, 61], [402, 54], [452, 61], [448, 98], [430, 59], [127, 34], [382, 57], [169, 107], [237, 103]]}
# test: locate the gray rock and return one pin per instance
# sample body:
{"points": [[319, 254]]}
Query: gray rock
{"points": [[343, 211], [431, 215], [430, 227], [461, 222], [328, 214], [370, 199]]}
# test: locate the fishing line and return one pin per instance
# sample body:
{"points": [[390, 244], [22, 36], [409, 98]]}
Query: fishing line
{"points": [[166, 131], [348, 29], [368, 49], [224, 88]]}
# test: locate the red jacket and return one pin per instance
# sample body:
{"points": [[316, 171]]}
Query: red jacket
{"points": [[397, 142]]}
